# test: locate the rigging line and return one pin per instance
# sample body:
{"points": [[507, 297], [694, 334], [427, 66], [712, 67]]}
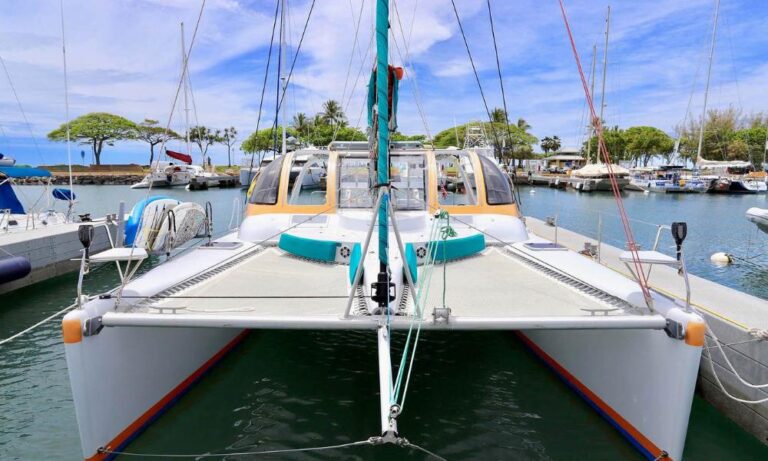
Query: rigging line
{"points": [[474, 70], [641, 279], [245, 453], [406, 59], [349, 65], [124, 281], [21, 109], [45, 320], [425, 451], [290, 71], [263, 90], [278, 99], [71, 199], [498, 68]]}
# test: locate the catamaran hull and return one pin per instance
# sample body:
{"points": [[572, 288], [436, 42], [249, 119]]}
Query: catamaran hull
{"points": [[597, 184], [641, 381], [123, 379]]}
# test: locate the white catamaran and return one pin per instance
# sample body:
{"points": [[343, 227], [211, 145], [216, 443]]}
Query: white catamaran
{"points": [[347, 239]]}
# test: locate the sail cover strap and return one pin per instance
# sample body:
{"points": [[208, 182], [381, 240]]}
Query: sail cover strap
{"points": [[393, 89]]}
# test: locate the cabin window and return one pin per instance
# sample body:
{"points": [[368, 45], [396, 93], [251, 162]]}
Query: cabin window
{"points": [[408, 180], [498, 190], [267, 183], [307, 184], [355, 183], [455, 180]]}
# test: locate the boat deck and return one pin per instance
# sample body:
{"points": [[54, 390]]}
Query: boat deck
{"points": [[499, 289]]}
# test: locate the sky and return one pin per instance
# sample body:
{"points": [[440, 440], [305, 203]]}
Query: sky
{"points": [[124, 57]]}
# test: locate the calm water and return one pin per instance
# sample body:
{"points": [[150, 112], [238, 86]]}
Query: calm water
{"points": [[297, 389]]}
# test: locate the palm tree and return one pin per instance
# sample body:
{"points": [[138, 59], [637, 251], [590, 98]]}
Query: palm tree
{"points": [[301, 124], [332, 113], [523, 125], [498, 115], [556, 143], [546, 144]]}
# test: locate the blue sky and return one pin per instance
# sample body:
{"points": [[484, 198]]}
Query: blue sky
{"points": [[124, 58]]}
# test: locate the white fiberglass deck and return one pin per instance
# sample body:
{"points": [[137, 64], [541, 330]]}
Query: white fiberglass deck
{"points": [[492, 291]]}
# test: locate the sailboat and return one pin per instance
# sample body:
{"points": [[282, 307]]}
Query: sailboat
{"points": [[598, 176], [356, 252]]}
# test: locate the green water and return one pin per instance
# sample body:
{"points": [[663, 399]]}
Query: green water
{"points": [[476, 396]]}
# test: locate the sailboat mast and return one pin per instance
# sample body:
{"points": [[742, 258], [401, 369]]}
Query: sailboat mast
{"points": [[706, 88], [382, 85], [591, 127], [605, 68], [184, 79], [282, 77]]}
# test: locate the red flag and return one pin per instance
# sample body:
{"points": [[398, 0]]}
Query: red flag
{"points": [[179, 156]]}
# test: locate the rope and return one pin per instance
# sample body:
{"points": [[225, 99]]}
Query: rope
{"points": [[424, 450], [641, 278], [263, 90], [242, 453], [45, 320], [474, 70]]}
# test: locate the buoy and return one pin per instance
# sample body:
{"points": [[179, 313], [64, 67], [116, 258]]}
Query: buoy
{"points": [[646, 192], [533, 191], [721, 258]]}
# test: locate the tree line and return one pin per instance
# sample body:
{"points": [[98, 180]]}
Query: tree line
{"points": [[99, 129], [728, 135]]}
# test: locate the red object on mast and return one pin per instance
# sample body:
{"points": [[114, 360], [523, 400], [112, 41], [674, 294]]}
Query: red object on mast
{"points": [[179, 156]]}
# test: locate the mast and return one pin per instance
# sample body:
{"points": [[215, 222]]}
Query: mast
{"points": [[66, 110], [706, 89], [282, 77], [184, 78], [605, 68], [382, 125], [591, 127]]}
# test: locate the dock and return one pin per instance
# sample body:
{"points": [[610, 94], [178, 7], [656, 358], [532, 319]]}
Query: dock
{"points": [[735, 317], [51, 251]]}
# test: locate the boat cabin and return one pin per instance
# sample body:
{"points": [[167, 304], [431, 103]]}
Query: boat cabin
{"points": [[340, 178]]}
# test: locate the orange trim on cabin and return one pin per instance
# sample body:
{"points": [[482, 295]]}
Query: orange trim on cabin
{"points": [[72, 331], [136, 426], [610, 412]]}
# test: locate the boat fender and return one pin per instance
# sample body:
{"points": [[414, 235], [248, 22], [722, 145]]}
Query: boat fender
{"points": [[721, 258], [14, 268], [694, 333], [71, 331]]}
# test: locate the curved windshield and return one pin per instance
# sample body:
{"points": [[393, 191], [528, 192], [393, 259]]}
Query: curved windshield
{"points": [[498, 190], [455, 180], [307, 184], [267, 184]]}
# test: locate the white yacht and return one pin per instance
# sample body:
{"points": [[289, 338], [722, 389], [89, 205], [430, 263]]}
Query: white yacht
{"points": [[166, 174], [306, 258], [597, 177], [357, 250], [666, 179]]}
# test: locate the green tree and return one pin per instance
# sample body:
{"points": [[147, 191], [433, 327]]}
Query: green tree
{"points": [[397, 136], [151, 133], [615, 142], [645, 142], [550, 144], [302, 124], [513, 143], [228, 138], [262, 140], [96, 129], [204, 137], [332, 113], [498, 115]]}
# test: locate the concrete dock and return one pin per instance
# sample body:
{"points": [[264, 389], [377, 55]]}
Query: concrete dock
{"points": [[732, 315], [50, 250]]}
